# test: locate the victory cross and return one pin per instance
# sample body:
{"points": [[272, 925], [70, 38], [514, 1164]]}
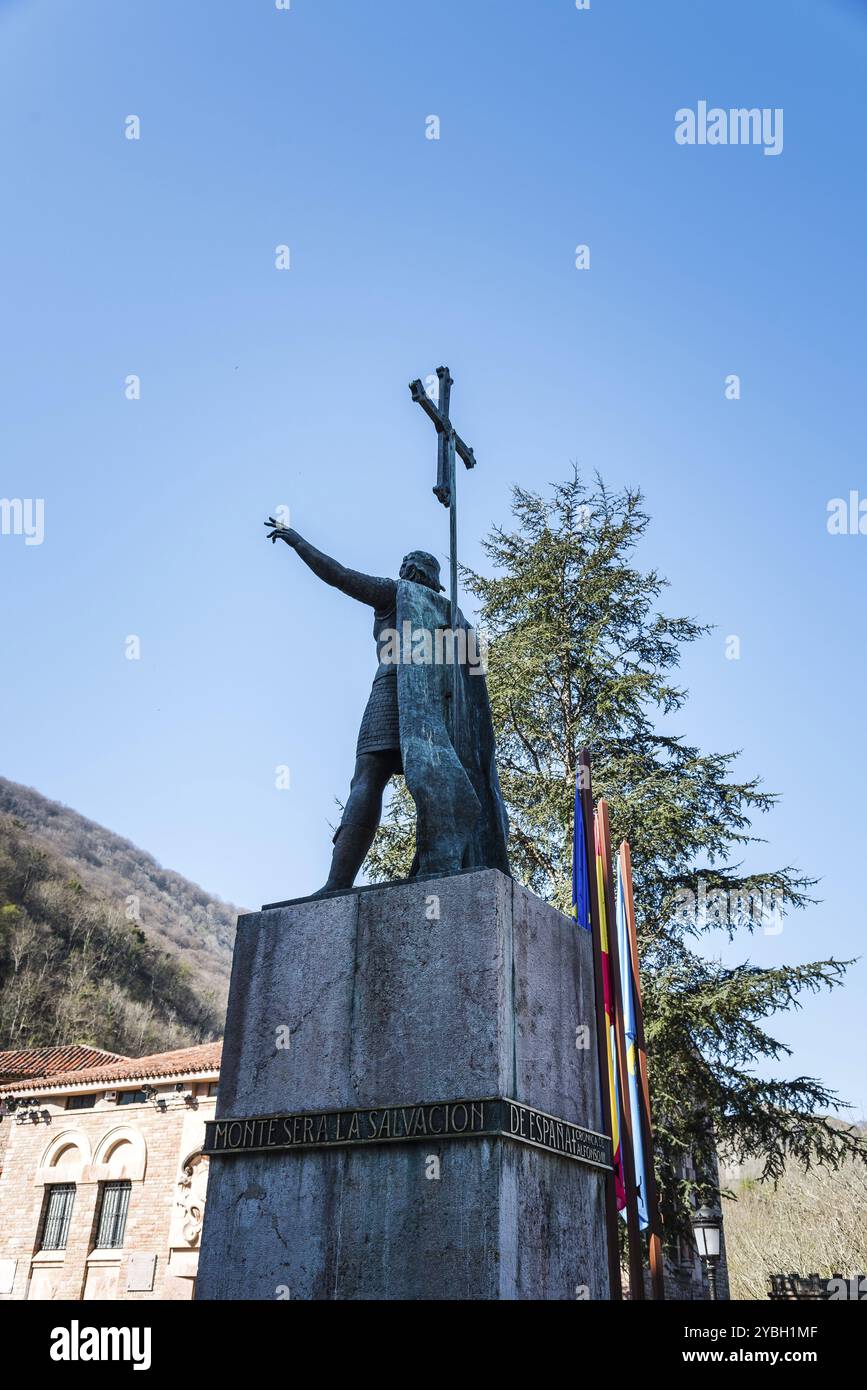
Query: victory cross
{"points": [[448, 444], [427, 715]]}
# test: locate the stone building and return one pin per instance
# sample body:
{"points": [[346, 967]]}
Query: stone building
{"points": [[22, 1063], [102, 1186], [685, 1275]]}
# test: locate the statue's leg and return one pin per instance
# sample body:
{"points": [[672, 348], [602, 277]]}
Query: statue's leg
{"points": [[361, 817]]}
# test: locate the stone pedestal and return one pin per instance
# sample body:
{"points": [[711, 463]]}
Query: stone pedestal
{"points": [[413, 1068]]}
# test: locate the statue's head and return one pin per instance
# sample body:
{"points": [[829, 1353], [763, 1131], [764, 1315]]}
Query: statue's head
{"points": [[421, 568]]}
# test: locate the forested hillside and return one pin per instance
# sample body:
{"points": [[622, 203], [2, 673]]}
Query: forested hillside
{"points": [[98, 943]]}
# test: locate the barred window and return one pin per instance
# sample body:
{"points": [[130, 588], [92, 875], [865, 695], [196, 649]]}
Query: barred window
{"points": [[59, 1200], [112, 1215]]}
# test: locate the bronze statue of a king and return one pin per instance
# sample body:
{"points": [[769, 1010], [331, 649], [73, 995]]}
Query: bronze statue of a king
{"points": [[427, 716]]}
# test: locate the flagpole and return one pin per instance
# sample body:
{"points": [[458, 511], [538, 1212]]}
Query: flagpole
{"points": [[657, 1268], [636, 1261], [611, 1225]]}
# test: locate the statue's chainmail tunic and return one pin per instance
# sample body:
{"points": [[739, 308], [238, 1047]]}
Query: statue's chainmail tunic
{"points": [[380, 727]]}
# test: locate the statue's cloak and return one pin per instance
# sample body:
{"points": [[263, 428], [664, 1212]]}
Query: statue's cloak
{"points": [[449, 760]]}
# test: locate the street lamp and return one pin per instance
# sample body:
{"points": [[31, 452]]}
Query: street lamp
{"points": [[707, 1228]]}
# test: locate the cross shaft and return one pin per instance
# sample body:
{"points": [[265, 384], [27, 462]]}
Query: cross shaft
{"points": [[449, 446], [444, 428]]}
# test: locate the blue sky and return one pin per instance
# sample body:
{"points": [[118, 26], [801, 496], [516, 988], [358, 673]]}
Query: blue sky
{"points": [[262, 387]]}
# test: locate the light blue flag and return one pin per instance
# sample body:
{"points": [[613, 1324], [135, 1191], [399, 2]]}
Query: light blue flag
{"points": [[630, 1028]]}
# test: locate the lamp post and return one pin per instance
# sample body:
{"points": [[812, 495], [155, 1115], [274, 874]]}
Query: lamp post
{"points": [[707, 1228]]}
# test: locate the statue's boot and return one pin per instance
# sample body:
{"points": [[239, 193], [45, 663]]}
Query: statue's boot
{"points": [[351, 844]]}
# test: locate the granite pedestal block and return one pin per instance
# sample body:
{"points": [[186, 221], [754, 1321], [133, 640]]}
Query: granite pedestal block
{"points": [[384, 1032]]}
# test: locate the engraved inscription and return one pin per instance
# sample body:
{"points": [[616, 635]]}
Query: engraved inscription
{"points": [[494, 1117]]}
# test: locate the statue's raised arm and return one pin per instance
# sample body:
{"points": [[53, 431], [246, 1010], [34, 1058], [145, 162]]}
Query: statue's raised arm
{"points": [[367, 588]]}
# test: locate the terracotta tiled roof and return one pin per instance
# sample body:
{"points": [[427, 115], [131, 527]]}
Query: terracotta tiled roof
{"points": [[182, 1062], [47, 1061]]}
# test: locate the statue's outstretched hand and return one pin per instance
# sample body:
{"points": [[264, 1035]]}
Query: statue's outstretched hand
{"points": [[278, 532]]}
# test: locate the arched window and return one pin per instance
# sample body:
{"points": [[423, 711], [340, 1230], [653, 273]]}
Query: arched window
{"points": [[65, 1158], [121, 1155]]}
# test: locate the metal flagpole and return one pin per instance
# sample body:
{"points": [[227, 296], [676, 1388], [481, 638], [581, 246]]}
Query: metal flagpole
{"points": [[657, 1268], [585, 788], [636, 1261]]}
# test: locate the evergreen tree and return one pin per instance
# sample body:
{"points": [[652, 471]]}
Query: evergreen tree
{"points": [[580, 655]]}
